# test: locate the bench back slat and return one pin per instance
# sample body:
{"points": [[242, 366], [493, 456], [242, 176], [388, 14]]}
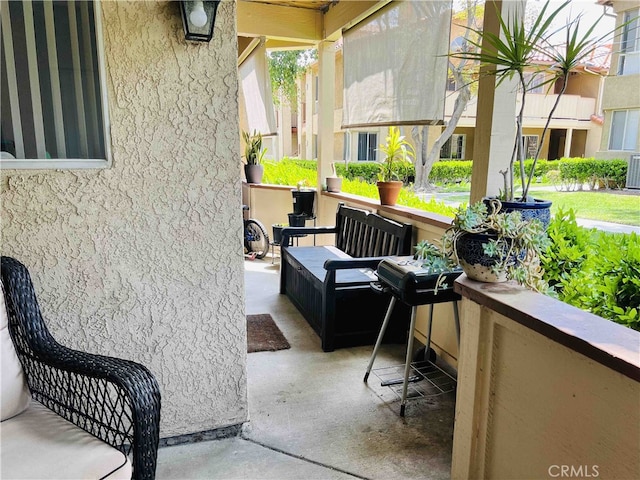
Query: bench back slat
{"points": [[364, 234]]}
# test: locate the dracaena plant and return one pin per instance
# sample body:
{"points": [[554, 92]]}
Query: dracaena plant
{"points": [[515, 244], [399, 154], [513, 52]]}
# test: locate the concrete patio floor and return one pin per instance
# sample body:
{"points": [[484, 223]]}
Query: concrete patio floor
{"points": [[312, 416]]}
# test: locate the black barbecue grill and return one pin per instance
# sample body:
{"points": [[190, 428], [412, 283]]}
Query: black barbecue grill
{"points": [[414, 285], [409, 282]]}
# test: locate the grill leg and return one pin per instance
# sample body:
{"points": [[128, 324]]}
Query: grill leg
{"points": [[407, 365], [456, 317], [428, 346], [380, 335]]}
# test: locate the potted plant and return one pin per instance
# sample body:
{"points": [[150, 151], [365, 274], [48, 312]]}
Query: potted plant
{"points": [[303, 200], [494, 246], [398, 154], [254, 154], [512, 53], [438, 264], [334, 182]]}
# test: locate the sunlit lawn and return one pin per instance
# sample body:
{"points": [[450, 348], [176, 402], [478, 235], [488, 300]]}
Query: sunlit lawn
{"points": [[592, 205], [595, 205]]}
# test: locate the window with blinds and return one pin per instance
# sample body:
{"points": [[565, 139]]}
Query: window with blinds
{"points": [[367, 146], [625, 125], [629, 63], [53, 104]]}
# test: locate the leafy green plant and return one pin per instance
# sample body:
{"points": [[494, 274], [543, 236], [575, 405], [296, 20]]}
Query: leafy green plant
{"points": [[594, 271], [515, 244], [285, 67], [434, 261], [432, 258], [253, 151], [568, 249], [289, 172], [398, 154]]}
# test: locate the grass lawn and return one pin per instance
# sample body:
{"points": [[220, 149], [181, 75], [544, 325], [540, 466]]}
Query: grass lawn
{"points": [[621, 208], [594, 205]]}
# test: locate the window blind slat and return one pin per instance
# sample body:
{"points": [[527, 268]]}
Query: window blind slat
{"points": [[92, 112], [10, 69], [56, 94], [34, 80], [77, 79]]}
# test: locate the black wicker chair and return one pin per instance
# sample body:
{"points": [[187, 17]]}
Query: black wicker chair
{"points": [[117, 401]]}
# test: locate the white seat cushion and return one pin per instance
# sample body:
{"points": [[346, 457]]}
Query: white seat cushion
{"points": [[15, 393], [40, 444]]}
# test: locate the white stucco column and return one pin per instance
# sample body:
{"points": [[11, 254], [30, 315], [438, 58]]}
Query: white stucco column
{"points": [[495, 118], [309, 99], [326, 102], [567, 143]]}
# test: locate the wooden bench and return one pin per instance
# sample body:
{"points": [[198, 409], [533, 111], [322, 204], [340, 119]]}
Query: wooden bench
{"points": [[330, 284]]}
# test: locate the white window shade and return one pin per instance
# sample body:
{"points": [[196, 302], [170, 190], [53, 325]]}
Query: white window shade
{"points": [[256, 100], [395, 65]]}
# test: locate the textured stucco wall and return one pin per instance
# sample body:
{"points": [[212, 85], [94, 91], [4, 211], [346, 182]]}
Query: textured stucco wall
{"points": [[143, 260]]}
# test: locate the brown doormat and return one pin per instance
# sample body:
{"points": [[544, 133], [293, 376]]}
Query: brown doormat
{"points": [[263, 335]]}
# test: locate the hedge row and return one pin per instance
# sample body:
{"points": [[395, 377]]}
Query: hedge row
{"points": [[611, 173], [608, 173]]}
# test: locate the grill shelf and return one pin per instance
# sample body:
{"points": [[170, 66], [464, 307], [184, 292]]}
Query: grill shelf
{"points": [[426, 380]]}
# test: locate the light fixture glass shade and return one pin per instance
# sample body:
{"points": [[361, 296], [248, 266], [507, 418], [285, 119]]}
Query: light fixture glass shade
{"points": [[198, 19]]}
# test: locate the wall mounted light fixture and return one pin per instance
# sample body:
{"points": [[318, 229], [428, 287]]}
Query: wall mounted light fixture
{"points": [[198, 19]]}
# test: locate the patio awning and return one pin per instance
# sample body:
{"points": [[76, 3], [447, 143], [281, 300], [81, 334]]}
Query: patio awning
{"points": [[395, 66], [256, 100]]}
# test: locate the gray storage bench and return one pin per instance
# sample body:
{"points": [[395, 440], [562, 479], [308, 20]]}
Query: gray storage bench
{"points": [[330, 284]]}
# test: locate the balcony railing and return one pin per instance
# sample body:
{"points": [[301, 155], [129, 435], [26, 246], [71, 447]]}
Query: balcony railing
{"points": [[538, 106]]}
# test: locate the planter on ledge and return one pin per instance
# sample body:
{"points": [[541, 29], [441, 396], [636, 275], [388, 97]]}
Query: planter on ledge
{"points": [[388, 192], [303, 202], [475, 263], [253, 173], [538, 209], [334, 184]]}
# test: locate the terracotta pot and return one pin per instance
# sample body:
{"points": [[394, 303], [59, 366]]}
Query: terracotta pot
{"points": [[388, 192], [254, 173]]}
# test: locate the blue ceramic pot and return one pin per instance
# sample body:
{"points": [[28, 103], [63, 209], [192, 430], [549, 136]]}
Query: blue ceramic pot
{"points": [[475, 263], [539, 209]]}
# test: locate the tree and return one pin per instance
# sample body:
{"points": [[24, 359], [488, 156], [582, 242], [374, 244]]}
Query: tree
{"points": [[284, 69], [458, 72]]}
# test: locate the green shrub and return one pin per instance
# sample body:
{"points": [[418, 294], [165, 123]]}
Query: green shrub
{"points": [[290, 171], [595, 271], [569, 247], [578, 171], [367, 171], [457, 171], [451, 171]]}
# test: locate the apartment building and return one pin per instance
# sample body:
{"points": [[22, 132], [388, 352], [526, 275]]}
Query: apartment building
{"points": [[621, 92]]}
